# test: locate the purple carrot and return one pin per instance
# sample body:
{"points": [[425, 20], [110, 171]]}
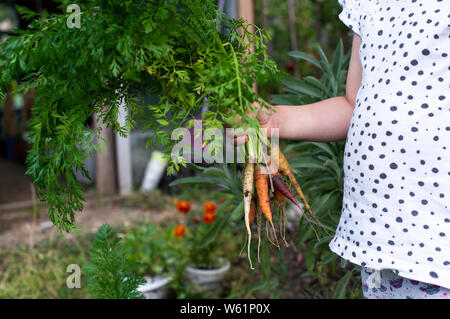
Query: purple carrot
{"points": [[280, 186]]}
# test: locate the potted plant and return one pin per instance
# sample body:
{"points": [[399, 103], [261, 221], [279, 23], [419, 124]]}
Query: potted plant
{"points": [[150, 249], [206, 268]]}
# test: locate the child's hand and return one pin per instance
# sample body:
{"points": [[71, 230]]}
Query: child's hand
{"points": [[267, 120]]}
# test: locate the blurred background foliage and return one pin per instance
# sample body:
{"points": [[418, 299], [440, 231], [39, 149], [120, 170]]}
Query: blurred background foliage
{"points": [[300, 25]]}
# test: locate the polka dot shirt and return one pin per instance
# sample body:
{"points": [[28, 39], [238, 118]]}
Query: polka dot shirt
{"points": [[396, 208]]}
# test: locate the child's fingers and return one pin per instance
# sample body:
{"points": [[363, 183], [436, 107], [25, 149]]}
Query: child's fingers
{"points": [[239, 140], [239, 137]]}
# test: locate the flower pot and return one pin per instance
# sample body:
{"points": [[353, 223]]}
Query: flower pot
{"points": [[207, 280], [155, 287]]}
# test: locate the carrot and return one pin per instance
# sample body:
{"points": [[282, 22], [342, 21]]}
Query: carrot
{"points": [[282, 188], [248, 190], [285, 169], [283, 223], [262, 190], [278, 196], [258, 222]]}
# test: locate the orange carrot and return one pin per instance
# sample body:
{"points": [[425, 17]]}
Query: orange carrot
{"points": [[278, 196], [262, 190]]}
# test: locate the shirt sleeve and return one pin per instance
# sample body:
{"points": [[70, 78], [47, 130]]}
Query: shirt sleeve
{"points": [[350, 14]]}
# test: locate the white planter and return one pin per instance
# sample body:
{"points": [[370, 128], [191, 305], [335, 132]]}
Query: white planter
{"points": [[207, 280], [155, 287]]}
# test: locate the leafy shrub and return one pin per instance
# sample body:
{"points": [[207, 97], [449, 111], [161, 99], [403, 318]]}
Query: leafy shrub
{"points": [[152, 250], [110, 271], [228, 180]]}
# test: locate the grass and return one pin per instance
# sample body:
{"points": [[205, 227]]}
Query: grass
{"points": [[40, 271]]}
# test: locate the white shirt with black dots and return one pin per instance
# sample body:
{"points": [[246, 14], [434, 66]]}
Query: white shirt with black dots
{"points": [[396, 208]]}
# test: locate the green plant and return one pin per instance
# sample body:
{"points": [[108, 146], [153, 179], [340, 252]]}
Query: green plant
{"points": [[123, 48], [311, 89], [110, 271], [197, 226], [316, 23], [39, 272], [153, 250], [227, 179]]}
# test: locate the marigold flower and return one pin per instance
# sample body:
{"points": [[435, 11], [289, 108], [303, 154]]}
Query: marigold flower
{"points": [[179, 231], [209, 218], [210, 208], [184, 207], [222, 199]]}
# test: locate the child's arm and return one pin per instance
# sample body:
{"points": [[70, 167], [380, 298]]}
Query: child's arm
{"points": [[324, 121]]}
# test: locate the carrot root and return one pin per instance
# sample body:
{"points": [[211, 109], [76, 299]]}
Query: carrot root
{"points": [[248, 190], [285, 169], [262, 190], [259, 221]]}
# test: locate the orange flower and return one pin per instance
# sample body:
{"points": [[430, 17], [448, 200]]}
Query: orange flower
{"points": [[210, 208], [222, 199], [208, 218], [184, 207], [179, 231]]}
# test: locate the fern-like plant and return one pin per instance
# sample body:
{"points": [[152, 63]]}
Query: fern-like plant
{"points": [[109, 271], [123, 48]]}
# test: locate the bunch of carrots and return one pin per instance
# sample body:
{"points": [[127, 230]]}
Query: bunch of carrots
{"points": [[266, 181]]}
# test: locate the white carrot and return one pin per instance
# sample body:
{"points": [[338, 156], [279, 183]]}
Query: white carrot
{"points": [[247, 181]]}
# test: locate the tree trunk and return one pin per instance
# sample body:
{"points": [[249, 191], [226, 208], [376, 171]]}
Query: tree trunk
{"points": [[246, 10], [105, 162]]}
